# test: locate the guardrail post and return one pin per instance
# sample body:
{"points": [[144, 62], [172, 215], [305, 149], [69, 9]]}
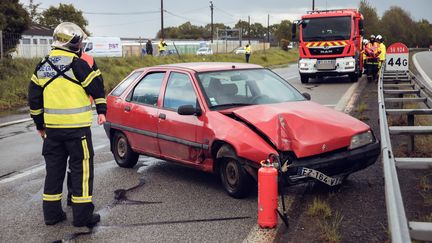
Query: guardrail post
{"points": [[411, 143]]}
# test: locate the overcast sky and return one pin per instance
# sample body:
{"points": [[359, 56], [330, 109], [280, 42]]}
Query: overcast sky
{"points": [[141, 18]]}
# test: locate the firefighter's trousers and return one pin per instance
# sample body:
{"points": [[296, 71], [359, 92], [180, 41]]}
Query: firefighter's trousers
{"points": [[76, 144]]}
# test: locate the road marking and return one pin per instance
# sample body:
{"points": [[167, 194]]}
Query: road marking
{"points": [[332, 105], [348, 97], [39, 167], [292, 77], [15, 122], [420, 70]]}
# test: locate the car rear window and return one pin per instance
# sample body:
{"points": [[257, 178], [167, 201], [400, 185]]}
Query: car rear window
{"points": [[126, 82]]}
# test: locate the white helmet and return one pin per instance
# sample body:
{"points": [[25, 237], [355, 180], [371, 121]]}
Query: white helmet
{"points": [[365, 41], [379, 38], [68, 36]]}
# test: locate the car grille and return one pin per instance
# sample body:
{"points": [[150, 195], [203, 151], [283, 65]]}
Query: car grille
{"points": [[326, 51]]}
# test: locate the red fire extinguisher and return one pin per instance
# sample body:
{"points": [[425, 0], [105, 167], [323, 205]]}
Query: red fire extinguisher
{"points": [[267, 195]]}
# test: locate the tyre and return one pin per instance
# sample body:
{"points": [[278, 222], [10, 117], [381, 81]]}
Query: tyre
{"points": [[122, 151], [304, 79], [353, 77], [236, 181]]}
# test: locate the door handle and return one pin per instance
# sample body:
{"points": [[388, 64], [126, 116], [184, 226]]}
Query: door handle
{"points": [[162, 116], [127, 108]]}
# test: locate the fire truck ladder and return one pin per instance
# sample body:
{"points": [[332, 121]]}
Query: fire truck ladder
{"points": [[395, 91]]}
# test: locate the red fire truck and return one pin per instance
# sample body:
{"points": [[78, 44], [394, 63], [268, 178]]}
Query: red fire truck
{"points": [[330, 44]]}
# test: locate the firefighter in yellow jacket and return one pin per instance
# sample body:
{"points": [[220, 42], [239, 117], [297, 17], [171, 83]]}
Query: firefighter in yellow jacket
{"points": [[59, 103], [162, 47], [248, 52], [382, 48]]}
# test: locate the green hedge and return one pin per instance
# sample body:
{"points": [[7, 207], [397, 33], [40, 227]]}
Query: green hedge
{"points": [[15, 74]]}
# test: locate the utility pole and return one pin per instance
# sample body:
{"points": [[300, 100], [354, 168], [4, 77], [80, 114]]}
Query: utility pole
{"points": [[313, 5], [162, 21], [211, 8], [249, 30], [268, 28]]}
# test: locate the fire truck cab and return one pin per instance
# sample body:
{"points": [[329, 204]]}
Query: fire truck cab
{"points": [[330, 44]]}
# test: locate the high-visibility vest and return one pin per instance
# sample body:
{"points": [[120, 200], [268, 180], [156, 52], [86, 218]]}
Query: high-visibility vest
{"points": [[89, 59], [248, 50], [162, 46], [66, 104], [382, 55]]}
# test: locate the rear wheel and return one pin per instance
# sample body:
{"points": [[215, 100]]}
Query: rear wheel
{"points": [[123, 154], [304, 79], [236, 181]]}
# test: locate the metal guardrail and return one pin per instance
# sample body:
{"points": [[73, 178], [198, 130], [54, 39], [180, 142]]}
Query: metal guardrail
{"points": [[401, 84]]}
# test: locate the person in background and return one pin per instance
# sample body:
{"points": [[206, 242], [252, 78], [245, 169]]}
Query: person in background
{"points": [[365, 43], [59, 100], [247, 52], [149, 47], [382, 49], [162, 47]]}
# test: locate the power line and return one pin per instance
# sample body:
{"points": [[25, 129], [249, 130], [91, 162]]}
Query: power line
{"points": [[182, 17], [225, 12], [121, 13], [109, 13]]}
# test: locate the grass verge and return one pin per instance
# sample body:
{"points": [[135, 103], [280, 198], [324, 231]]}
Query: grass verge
{"points": [[15, 74], [328, 222]]}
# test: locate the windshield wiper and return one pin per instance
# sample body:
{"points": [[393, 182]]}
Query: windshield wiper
{"points": [[230, 104]]}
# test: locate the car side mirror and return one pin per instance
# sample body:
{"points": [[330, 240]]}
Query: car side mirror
{"points": [[188, 110], [307, 96]]}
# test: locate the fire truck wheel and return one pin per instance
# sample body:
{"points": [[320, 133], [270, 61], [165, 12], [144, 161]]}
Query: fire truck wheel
{"points": [[304, 79], [123, 154], [353, 77], [236, 181]]}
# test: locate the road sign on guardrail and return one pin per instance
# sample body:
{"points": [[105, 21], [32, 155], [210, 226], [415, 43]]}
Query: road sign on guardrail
{"points": [[397, 57]]}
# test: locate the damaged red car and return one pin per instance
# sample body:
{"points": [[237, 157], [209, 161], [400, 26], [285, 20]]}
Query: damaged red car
{"points": [[226, 118]]}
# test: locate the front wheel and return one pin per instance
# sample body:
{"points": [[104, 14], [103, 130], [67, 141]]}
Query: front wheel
{"points": [[304, 79], [353, 77], [235, 179], [123, 154]]}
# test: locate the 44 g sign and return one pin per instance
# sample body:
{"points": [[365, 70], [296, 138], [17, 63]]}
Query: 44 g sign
{"points": [[397, 57]]}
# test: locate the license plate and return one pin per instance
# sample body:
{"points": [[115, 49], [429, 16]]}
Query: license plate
{"points": [[326, 64], [331, 181]]}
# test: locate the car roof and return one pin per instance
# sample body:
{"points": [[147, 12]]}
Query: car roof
{"points": [[208, 66]]}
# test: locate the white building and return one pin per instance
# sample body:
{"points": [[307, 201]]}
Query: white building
{"points": [[35, 42]]}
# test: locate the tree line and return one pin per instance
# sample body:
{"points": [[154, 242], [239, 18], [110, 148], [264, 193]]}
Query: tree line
{"points": [[396, 25]]}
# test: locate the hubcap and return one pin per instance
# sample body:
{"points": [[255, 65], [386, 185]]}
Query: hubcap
{"points": [[231, 172], [121, 147]]}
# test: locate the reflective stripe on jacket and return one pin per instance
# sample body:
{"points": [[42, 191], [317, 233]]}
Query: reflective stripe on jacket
{"points": [[65, 102]]}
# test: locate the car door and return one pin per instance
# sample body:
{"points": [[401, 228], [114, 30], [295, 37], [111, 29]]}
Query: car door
{"points": [[180, 136], [141, 113]]}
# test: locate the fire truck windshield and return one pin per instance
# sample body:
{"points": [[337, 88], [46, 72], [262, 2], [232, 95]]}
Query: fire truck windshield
{"points": [[327, 28]]}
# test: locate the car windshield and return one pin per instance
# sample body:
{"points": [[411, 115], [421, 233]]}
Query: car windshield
{"points": [[226, 89], [329, 28], [203, 49]]}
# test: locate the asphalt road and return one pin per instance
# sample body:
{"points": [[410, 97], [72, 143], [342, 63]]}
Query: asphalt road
{"points": [[425, 62], [163, 201]]}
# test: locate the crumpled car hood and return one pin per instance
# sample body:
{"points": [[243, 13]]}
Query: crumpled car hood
{"points": [[304, 127]]}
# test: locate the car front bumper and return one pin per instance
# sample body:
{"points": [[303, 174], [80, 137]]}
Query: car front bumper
{"points": [[336, 163]]}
